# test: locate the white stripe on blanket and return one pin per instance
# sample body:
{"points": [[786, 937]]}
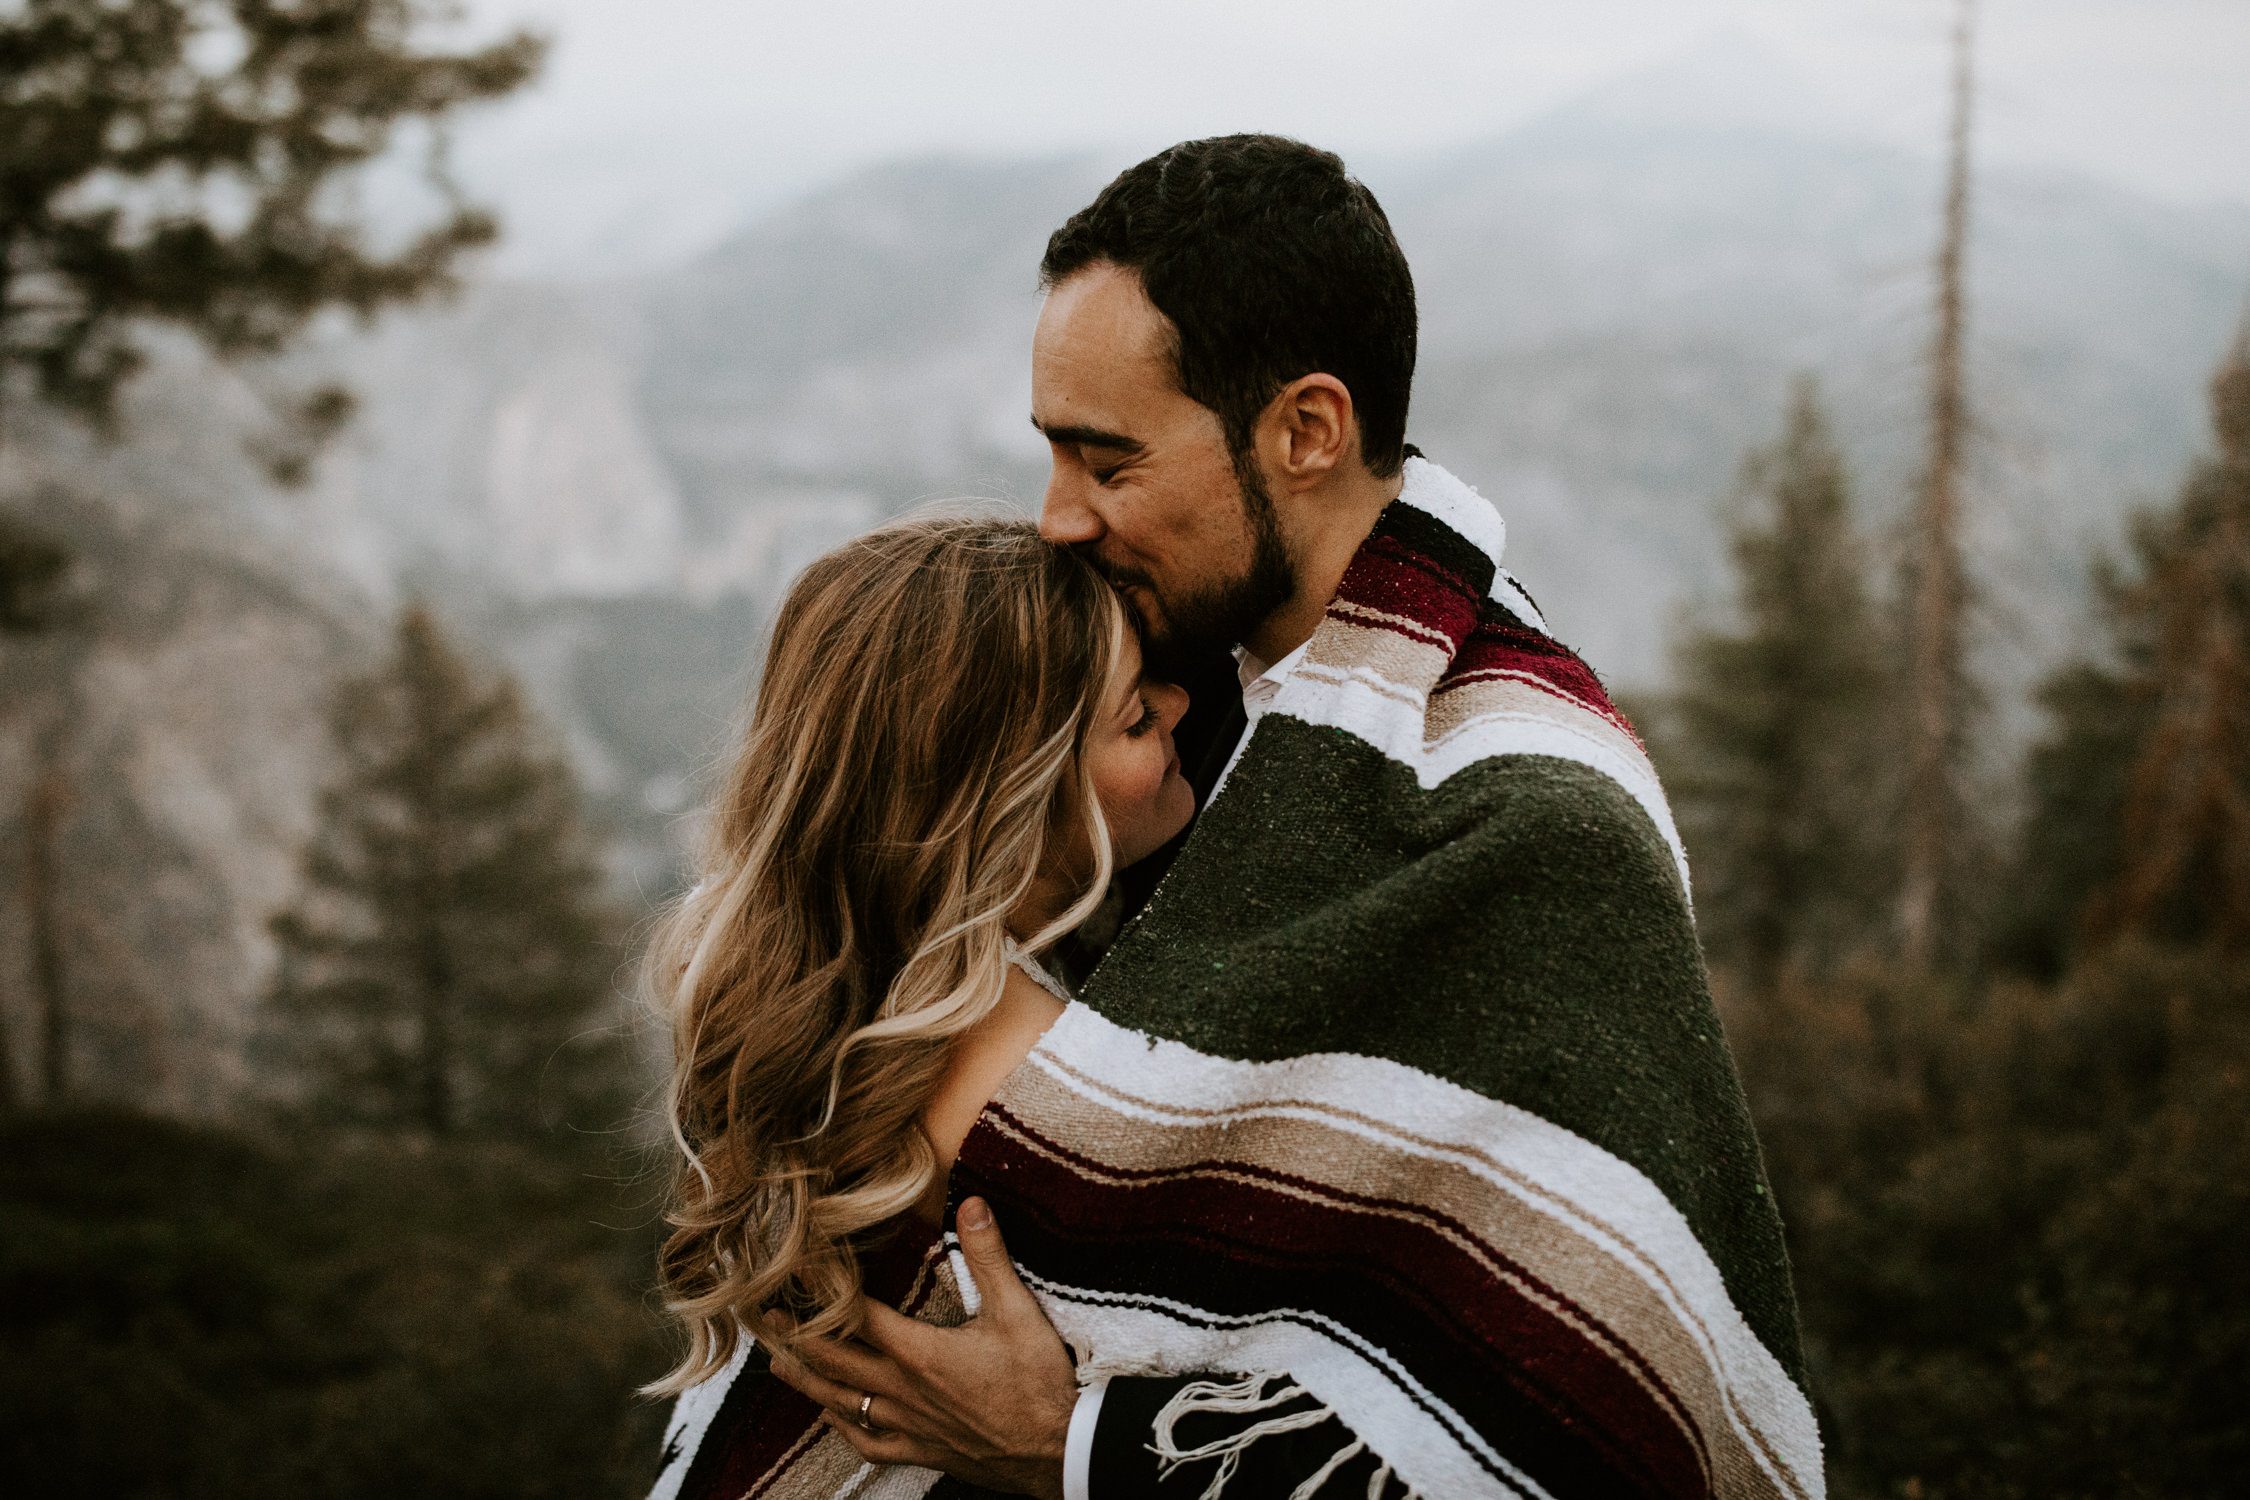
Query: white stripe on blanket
{"points": [[1608, 1205], [690, 1424], [1421, 1438], [1435, 492], [691, 1421], [1393, 716]]}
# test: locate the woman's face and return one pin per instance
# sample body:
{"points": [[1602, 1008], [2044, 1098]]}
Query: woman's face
{"points": [[1129, 756]]}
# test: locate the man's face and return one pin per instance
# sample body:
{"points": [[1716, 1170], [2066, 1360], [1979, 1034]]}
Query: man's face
{"points": [[1143, 482]]}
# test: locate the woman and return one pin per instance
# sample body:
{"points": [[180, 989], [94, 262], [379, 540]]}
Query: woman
{"points": [[951, 751]]}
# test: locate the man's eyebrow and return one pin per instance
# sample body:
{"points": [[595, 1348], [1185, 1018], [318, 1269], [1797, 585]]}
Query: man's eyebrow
{"points": [[1089, 437]]}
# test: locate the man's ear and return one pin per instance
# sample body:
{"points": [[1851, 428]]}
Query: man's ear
{"points": [[1311, 430]]}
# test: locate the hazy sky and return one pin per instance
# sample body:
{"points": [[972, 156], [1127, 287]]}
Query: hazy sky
{"points": [[661, 124]]}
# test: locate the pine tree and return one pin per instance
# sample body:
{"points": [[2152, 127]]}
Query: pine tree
{"points": [[2140, 807], [448, 959], [32, 568], [1772, 733], [2068, 846], [175, 160], [2184, 848]]}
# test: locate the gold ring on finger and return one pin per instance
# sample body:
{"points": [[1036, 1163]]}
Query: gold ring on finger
{"points": [[865, 1402]]}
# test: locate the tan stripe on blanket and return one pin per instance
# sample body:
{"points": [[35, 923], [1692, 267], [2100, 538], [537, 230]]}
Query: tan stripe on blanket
{"points": [[1400, 1170]]}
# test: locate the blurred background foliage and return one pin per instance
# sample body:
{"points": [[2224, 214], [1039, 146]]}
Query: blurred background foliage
{"points": [[406, 1258], [195, 1312], [357, 683], [2017, 1184]]}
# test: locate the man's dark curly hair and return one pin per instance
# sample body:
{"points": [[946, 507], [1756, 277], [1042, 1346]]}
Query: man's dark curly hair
{"points": [[1272, 263]]}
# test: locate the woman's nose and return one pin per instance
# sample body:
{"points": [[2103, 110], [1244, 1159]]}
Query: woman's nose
{"points": [[1171, 702]]}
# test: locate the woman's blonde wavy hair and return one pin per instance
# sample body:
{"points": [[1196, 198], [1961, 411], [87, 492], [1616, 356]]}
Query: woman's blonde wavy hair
{"points": [[912, 757]]}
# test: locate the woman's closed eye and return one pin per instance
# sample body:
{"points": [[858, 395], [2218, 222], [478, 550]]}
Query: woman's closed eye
{"points": [[1145, 722]]}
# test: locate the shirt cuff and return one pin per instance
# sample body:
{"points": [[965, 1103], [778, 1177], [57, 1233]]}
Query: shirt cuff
{"points": [[1078, 1447]]}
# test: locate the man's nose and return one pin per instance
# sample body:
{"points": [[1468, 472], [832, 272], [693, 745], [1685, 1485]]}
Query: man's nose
{"points": [[1064, 516]]}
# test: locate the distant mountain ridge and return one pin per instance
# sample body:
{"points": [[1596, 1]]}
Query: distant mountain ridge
{"points": [[1613, 298], [611, 485], [1613, 303], [1610, 315]]}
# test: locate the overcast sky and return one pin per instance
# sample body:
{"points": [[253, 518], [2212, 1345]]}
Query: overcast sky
{"points": [[662, 124]]}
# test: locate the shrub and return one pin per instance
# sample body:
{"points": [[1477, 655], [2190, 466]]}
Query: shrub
{"points": [[191, 1313]]}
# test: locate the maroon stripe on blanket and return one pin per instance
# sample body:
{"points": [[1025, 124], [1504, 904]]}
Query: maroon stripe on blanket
{"points": [[1556, 1393], [760, 1427], [763, 1426], [1438, 545], [1498, 648], [1389, 576]]}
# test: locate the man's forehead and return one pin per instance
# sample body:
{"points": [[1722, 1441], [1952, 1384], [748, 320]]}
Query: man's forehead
{"points": [[1102, 312], [1101, 363]]}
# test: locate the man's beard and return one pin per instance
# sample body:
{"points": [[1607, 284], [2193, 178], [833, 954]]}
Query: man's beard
{"points": [[1195, 626]]}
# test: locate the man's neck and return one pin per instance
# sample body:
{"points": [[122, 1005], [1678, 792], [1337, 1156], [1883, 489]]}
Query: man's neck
{"points": [[1331, 524]]}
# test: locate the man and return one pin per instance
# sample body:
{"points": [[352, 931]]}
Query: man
{"points": [[1427, 802]]}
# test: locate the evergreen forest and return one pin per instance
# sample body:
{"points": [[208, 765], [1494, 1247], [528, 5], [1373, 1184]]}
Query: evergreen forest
{"points": [[2015, 1179], [406, 1256]]}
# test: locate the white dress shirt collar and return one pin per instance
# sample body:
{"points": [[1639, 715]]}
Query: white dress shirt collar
{"points": [[1261, 684], [1261, 681]]}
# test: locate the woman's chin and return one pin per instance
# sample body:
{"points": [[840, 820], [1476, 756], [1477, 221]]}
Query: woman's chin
{"points": [[1179, 806], [1174, 809]]}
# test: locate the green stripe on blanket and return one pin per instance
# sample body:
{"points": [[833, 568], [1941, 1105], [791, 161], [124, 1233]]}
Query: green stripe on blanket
{"points": [[1518, 930]]}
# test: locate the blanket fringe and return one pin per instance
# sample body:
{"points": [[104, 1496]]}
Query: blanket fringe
{"points": [[1245, 1397], [1380, 1481], [1336, 1460]]}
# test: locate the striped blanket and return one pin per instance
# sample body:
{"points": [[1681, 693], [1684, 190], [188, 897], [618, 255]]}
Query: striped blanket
{"points": [[1395, 1148]]}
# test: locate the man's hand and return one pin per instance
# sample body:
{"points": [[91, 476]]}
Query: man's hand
{"points": [[988, 1402]]}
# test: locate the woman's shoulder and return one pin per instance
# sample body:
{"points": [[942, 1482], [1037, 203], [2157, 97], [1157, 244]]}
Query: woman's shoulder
{"points": [[984, 1056]]}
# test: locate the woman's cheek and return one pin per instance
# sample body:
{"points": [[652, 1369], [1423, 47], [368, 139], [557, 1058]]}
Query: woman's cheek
{"points": [[1121, 783], [1140, 792], [1148, 783]]}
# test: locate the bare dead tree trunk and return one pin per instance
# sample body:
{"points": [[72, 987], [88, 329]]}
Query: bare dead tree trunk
{"points": [[1935, 634], [9, 1101], [435, 1060], [434, 961], [49, 802]]}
